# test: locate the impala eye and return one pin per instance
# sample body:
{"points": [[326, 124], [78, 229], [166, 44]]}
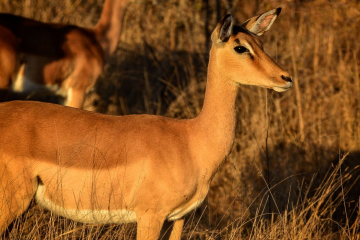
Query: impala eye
{"points": [[241, 49]]}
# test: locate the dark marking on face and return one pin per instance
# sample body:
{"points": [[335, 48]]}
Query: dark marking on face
{"points": [[239, 29], [256, 41]]}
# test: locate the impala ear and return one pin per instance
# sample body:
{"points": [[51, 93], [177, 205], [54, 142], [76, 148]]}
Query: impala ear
{"points": [[223, 30], [261, 23]]}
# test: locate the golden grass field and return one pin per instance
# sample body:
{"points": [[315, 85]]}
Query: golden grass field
{"points": [[294, 169]]}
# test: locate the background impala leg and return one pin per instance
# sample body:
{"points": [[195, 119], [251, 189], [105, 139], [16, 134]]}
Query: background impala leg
{"points": [[75, 98]]}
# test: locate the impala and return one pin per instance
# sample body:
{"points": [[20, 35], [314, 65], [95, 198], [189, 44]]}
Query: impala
{"points": [[96, 168], [65, 59], [9, 60]]}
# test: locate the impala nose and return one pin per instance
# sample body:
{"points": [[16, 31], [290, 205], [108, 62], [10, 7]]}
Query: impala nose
{"points": [[286, 78]]}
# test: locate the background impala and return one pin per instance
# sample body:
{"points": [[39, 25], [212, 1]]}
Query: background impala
{"points": [[60, 58]]}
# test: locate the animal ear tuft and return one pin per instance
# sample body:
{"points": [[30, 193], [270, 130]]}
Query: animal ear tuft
{"points": [[223, 30], [261, 23]]}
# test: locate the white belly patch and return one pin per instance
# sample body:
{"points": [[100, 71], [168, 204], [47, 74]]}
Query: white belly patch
{"points": [[179, 213], [83, 215], [24, 84]]}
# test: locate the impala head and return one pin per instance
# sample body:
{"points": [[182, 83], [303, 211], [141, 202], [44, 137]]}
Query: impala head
{"points": [[239, 51]]}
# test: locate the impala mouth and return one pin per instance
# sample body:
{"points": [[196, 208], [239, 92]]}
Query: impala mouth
{"points": [[284, 88]]}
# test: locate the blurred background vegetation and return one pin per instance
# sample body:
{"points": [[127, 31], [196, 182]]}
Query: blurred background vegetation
{"points": [[293, 171]]}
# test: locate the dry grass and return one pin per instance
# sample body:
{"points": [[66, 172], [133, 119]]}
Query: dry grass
{"points": [[287, 176]]}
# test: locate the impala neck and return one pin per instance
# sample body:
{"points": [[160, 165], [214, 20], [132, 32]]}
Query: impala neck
{"points": [[109, 27], [216, 121]]}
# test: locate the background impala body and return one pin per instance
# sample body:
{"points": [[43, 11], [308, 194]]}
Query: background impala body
{"points": [[9, 61], [60, 58], [138, 168]]}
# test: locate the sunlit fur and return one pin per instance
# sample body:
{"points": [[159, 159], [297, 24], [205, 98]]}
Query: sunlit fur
{"points": [[121, 168]]}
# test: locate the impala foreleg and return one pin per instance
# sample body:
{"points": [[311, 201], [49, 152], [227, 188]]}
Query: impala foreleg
{"points": [[149, 226], [177, 229]]}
